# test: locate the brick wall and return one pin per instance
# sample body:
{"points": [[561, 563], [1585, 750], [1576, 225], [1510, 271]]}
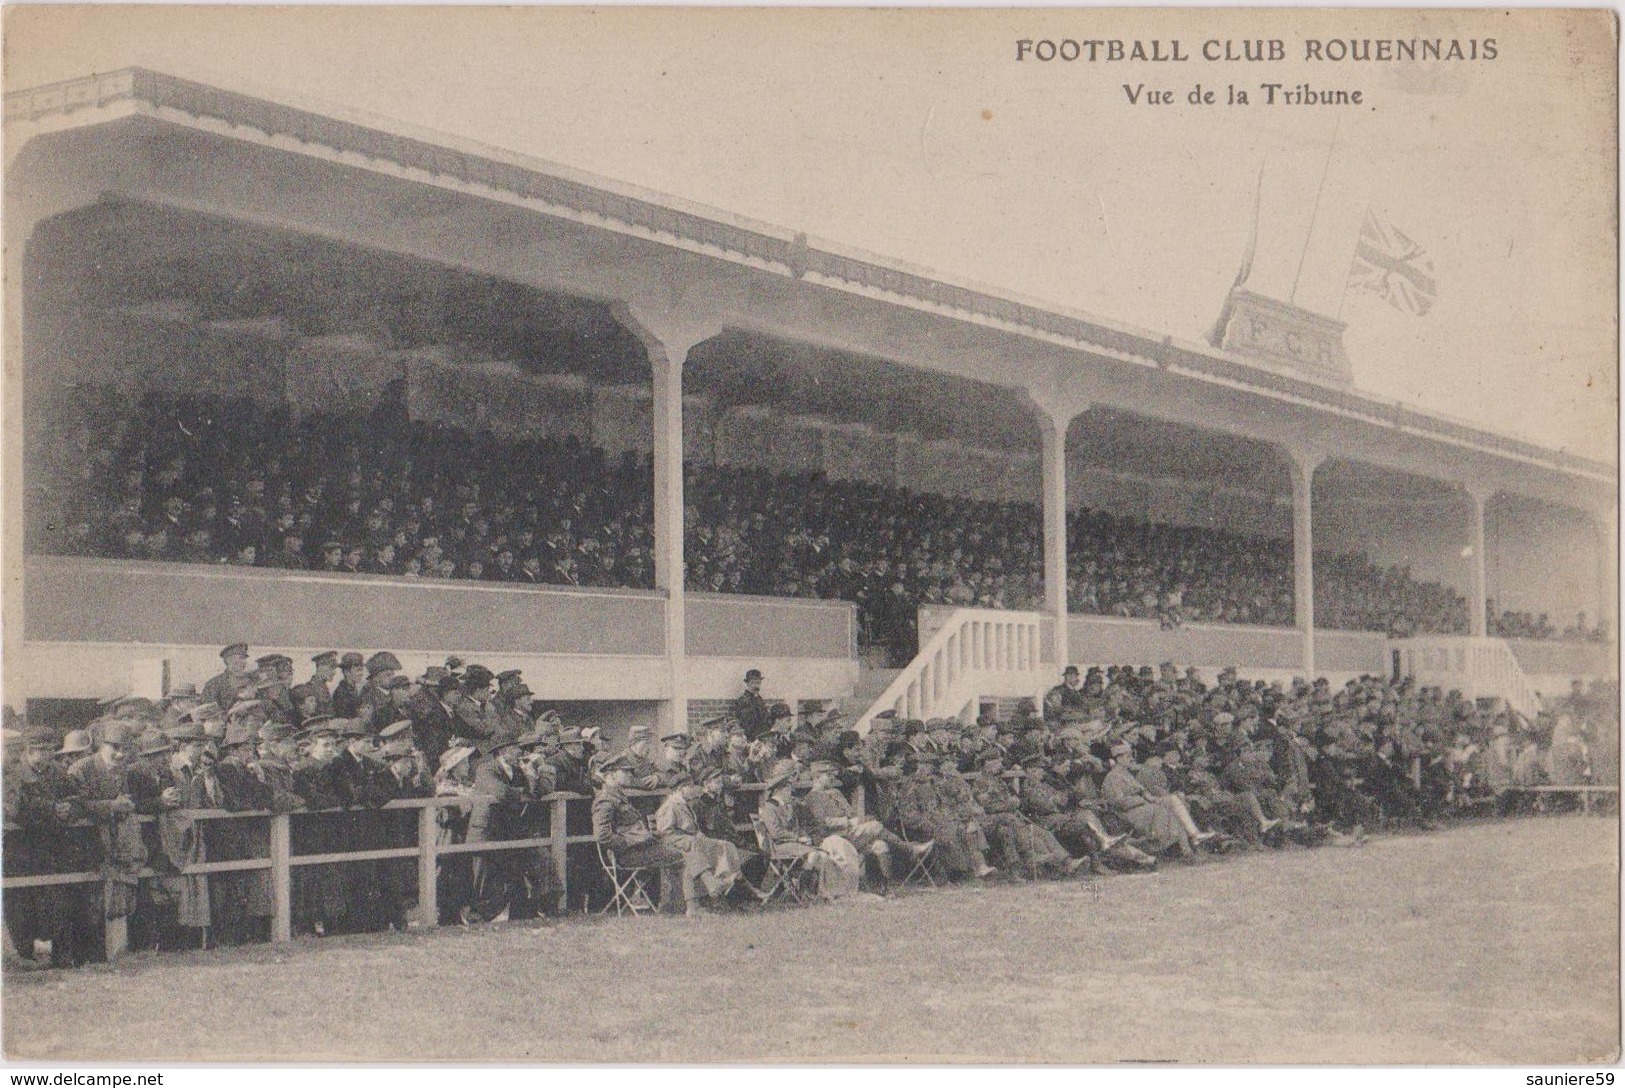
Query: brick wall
{"points": [[703, 710]]}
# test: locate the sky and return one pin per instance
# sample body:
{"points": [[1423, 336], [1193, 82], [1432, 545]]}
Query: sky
{"points": [[919, 135]]}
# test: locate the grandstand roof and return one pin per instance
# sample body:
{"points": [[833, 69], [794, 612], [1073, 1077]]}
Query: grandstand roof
{"points": [[150, 136]]}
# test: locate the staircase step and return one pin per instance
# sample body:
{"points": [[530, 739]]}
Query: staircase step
{"points": [[853, 709], [871, 682]]}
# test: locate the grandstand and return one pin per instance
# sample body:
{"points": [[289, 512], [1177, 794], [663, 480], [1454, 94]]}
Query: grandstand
{"points": [[860, 465]]}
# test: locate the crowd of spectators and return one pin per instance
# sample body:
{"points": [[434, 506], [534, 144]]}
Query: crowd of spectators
{"points": [[213, 480], [206, 479], [1510, 624], [1114, 771]]}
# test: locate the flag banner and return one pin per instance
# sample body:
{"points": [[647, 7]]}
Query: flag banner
{"points": [[1393, 266]]}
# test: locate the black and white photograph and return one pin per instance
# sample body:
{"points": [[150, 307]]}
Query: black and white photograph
{"points": [[810, 536]]}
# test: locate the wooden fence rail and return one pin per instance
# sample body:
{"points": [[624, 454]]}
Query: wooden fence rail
{"points": [[281, 861]]}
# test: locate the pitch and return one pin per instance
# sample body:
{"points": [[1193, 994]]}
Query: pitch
{"points": [[1495, 942]]}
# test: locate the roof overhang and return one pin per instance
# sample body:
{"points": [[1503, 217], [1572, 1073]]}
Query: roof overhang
{"points": [[147, 136]]}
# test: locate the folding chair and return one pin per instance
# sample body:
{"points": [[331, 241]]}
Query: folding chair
{"points": [[784, 870], [630, 893], [920, 870]]}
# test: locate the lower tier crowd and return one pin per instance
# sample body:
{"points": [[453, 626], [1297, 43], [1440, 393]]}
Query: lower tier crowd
{"points": [[1113, 770]]}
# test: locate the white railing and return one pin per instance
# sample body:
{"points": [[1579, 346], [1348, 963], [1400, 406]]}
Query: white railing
{"points": [[1476, 666], [976, 652]]}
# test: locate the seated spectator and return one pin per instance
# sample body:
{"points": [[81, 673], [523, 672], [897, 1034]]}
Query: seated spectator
{"points": [[834, 815], [791, 830], [710, 865], [620, 828], [1156, 823], [922, 812], [1027, 847]]}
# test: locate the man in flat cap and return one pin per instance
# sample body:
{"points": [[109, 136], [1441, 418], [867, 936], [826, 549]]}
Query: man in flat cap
{"points": [[399, 775], [240, 902], [103, 779], [346, 699], [274, 687], [640, 761], [676, 746], [749, 709], [475, 718], [510, 708], [278, 752], [434, 722], [371, 899], [314, 698], [398, 753], [382, 667], [319, 890], [236, 682], [569, 762]]}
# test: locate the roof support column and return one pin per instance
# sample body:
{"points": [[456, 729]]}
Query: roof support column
{"points": [[1056, 412], [1304, 463], [668, 337], [1478, 605]]}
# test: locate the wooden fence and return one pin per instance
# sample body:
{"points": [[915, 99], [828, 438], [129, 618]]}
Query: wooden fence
{"points": [[282, 861]]}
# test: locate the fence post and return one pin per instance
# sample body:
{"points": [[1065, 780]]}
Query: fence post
{"points": [[281, 879], [115, 931], [558, 830], [428, 868]]}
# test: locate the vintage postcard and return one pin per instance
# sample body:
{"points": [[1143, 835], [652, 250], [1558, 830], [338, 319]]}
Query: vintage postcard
{"points": [[767, 535]]}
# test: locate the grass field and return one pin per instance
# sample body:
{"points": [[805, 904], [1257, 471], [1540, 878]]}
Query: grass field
{"points": [[1494, 942]]}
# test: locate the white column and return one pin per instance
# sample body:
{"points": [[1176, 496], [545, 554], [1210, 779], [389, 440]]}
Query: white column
{"points": [[1478, 605], [668, 506], [668, 338], [1058, 405], [1303, 468], [1055, 531]]}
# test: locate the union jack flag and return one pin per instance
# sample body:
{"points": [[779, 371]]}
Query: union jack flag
{"points": [[1393, 266]]}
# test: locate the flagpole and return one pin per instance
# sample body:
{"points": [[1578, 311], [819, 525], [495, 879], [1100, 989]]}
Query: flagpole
{"points": [[1343, 299], [1216, 336], [1246, 269], [1314, 215]]}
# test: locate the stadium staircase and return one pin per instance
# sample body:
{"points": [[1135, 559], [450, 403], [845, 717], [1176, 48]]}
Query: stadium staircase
{"points": [[871, 683], [1477, 667], [976, 653]]}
